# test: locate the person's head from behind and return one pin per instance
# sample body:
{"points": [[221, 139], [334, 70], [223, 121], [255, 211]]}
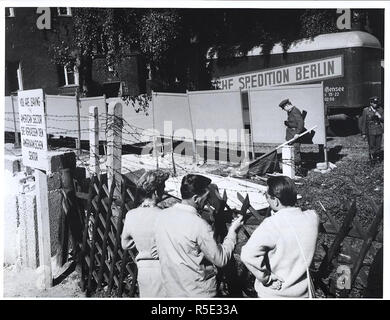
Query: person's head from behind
{"points": [[281, 192], [195, 190], [151, 185]]}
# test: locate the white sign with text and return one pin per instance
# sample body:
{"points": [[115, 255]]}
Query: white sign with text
{"points": [[33, 128], [305, 72]]}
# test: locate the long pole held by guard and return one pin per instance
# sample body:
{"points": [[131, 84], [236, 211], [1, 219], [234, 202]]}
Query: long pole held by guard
{"points": [[280, 146]]}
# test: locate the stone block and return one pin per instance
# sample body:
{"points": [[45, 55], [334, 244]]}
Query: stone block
{"points": [[12, 164], [55, 210], [61, 160], [54, 181]]}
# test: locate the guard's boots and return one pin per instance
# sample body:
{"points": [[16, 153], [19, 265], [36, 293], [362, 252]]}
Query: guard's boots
{"points": [[378, 157], [372, 159]]}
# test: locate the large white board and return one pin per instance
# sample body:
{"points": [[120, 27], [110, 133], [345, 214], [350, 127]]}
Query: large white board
{"points": [[61, 113], [171, 114], [268, 119], [9, 121], [216, 115]]}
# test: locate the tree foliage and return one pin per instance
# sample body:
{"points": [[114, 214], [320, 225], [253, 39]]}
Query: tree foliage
{"points": [[176, 42]]}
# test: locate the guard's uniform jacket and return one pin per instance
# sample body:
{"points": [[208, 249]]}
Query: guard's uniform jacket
{"points": [[294, 123], [372, 126]]}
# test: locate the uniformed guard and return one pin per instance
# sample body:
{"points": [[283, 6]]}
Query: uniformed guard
{"points": [[372, 127], [294, 126]]}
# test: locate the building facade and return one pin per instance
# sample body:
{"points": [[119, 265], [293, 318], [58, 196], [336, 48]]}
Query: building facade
{"points": [[29, 64]]}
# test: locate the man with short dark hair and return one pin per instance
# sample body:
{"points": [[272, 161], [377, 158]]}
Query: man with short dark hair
{"points": [[372, 127], [294, 126], [186, 246], [281, 249]]}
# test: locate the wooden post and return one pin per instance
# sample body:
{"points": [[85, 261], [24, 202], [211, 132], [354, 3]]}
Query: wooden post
{"points": [[193, 132], [326, 155], [250, 139], [114, 145], [17, 143], [43, 227], [173, 157], [94, 140], [106, 110], [155, 152], [78, 142], [288, 165], [245, 148], [204, 150], [325, 146]]}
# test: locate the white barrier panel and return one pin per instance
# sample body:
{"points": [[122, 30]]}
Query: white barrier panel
{"points": [[172, 109], [84, 104], [268, 119], [216, 115], [61, 115], [8, 114]]}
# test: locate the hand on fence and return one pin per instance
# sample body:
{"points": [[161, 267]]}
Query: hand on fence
{"points": [[236, 223]]}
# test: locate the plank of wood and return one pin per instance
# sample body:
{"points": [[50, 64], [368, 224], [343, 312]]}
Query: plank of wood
{"points": [[371, 234], [323, 269], [251, 209], [43, 227]]}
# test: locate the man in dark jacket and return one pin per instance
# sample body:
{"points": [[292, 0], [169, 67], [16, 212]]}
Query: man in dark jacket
{"points": [[294, 126], [372, 127]]}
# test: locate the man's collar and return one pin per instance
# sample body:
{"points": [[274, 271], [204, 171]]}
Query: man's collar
{"points": [[287, 210], [186, 207]]}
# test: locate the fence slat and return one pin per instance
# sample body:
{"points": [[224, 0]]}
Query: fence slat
{"points": [[122, 272], [108, 216], [334, 248], [94, 231], [371, 234]]}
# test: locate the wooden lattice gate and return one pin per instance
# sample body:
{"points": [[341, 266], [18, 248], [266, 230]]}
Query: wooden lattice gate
{"points": [[106, 269]]}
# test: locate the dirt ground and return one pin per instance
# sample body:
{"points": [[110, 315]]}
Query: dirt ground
{"points": [[26, 284]]}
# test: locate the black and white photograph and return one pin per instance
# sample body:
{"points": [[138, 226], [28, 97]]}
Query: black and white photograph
{"points": [[203, 150]]}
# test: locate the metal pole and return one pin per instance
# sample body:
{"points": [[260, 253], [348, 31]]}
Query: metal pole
{"points": [[194, 160], [155, 153], [173, 158], [325, 144]]}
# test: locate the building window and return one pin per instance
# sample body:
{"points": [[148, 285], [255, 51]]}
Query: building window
{"points": [[64, 11], [9, 12], [71, 76]]}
